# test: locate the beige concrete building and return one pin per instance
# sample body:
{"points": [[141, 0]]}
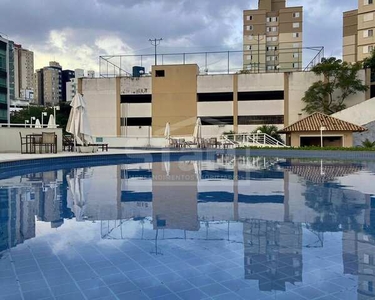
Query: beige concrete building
{"points": [[272, 37], [358, 31], [140, 107], [23, 72]]}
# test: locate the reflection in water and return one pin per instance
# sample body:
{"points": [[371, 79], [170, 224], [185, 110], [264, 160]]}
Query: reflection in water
{"points": [[279, 211]]}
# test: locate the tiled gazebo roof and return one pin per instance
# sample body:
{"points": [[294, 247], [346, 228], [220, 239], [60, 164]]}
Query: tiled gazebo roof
{"points": [[315, 121]]}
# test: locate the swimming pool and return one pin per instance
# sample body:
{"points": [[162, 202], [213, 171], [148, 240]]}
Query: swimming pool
{"points": [[190, 227]]}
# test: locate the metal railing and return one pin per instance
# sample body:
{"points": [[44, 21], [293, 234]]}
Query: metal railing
{"points": [[211, 62], [254, 139]]}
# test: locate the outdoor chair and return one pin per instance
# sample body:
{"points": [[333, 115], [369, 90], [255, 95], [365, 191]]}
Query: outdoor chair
{"points": [[49, 142], [23, 141], [68, 143], [214, 143]]}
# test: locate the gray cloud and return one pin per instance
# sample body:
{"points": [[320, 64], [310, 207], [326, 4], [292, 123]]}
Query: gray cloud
{"points": [[52, 28]]}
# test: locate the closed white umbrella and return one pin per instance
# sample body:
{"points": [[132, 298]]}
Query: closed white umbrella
{"points": [[37, 124], [198, 131], [167, 133], [78, 122], [51, 122]]}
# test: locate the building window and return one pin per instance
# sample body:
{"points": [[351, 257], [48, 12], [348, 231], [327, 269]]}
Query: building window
{"points": [[367, 2], [296, 45], [249, 57], [271, 48], [368, 17], [295, 34], [274, 39], [268, 19], [295, 65], [159, 73], [295, 55], [260, 120], [296, 15], [250, 37], [368, 33], [274, 29], [248, 47], [269, 39], [249, 18], [249, 27], [296, 25]]}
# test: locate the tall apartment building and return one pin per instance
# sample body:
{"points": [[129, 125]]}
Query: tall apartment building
{"points": [[4, 80], [67, 76], [272, 37], [358, 31], [71, 86], [48, 84], [23, 72]]}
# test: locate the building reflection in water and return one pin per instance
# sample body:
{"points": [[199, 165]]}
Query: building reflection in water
{"points": [[264, 204]]}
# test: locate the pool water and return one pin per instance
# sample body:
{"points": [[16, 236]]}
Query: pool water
{"points": [[224, 228]]}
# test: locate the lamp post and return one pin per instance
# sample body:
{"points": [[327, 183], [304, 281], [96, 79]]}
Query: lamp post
{"points": [[321, 135], [26, 122], [44, 114], [31, 121], [57, 107]]}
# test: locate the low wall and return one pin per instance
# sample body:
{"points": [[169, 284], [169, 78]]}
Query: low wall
{"points": [[130, 142], [10, 138]]}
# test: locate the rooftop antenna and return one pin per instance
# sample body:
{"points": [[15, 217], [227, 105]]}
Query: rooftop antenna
{"points": [[155, 43]]}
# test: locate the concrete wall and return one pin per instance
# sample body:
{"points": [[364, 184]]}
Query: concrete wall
{"points": [[11, 142], [102, 105], [174, 99]]}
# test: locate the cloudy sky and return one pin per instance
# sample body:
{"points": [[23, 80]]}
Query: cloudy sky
{"points": [[76, 32]]}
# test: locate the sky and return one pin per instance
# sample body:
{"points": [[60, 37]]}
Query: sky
{"points": [[76, 32]]}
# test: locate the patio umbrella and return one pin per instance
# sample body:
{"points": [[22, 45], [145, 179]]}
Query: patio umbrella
{"points": [[37, 124], [167, 133], [78, 122], [51, 122], [198, 131]]}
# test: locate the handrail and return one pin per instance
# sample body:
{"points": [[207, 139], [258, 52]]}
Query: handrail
{"points": [[257, 139]]}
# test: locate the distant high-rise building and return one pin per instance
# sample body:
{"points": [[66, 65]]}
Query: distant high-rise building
{"points": [[67, 75], [71, 86], [4, 80], [358, 32], [90, 73], [272, 37], [48, 84], [23, 72]]}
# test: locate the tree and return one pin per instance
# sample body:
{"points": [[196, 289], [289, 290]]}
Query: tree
{"points": [[340, 81], [271, 130], [368, 144], [19, 117]]}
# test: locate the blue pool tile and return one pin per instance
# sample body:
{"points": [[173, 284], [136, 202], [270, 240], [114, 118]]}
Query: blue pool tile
{"points": [[79, 276], [72, 296], [157, 270], [37, 294], [29, 277], [168, 297], [168, 277], [220, 276], [214, 289], [129, 266], [146, 282], [33, 285], [98, 292], [134, 295], [114, 278], [138, 273], [90, 283], [201, 280], [123, 287], [63, 289], [228, 296], [110, 270], [156, 291], [193, 294], [179, 285], [16, 296], [189, 273], [235, 284], [309, 292]]}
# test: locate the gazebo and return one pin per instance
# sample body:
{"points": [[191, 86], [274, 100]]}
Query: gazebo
{"points": [[322, 130]]}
